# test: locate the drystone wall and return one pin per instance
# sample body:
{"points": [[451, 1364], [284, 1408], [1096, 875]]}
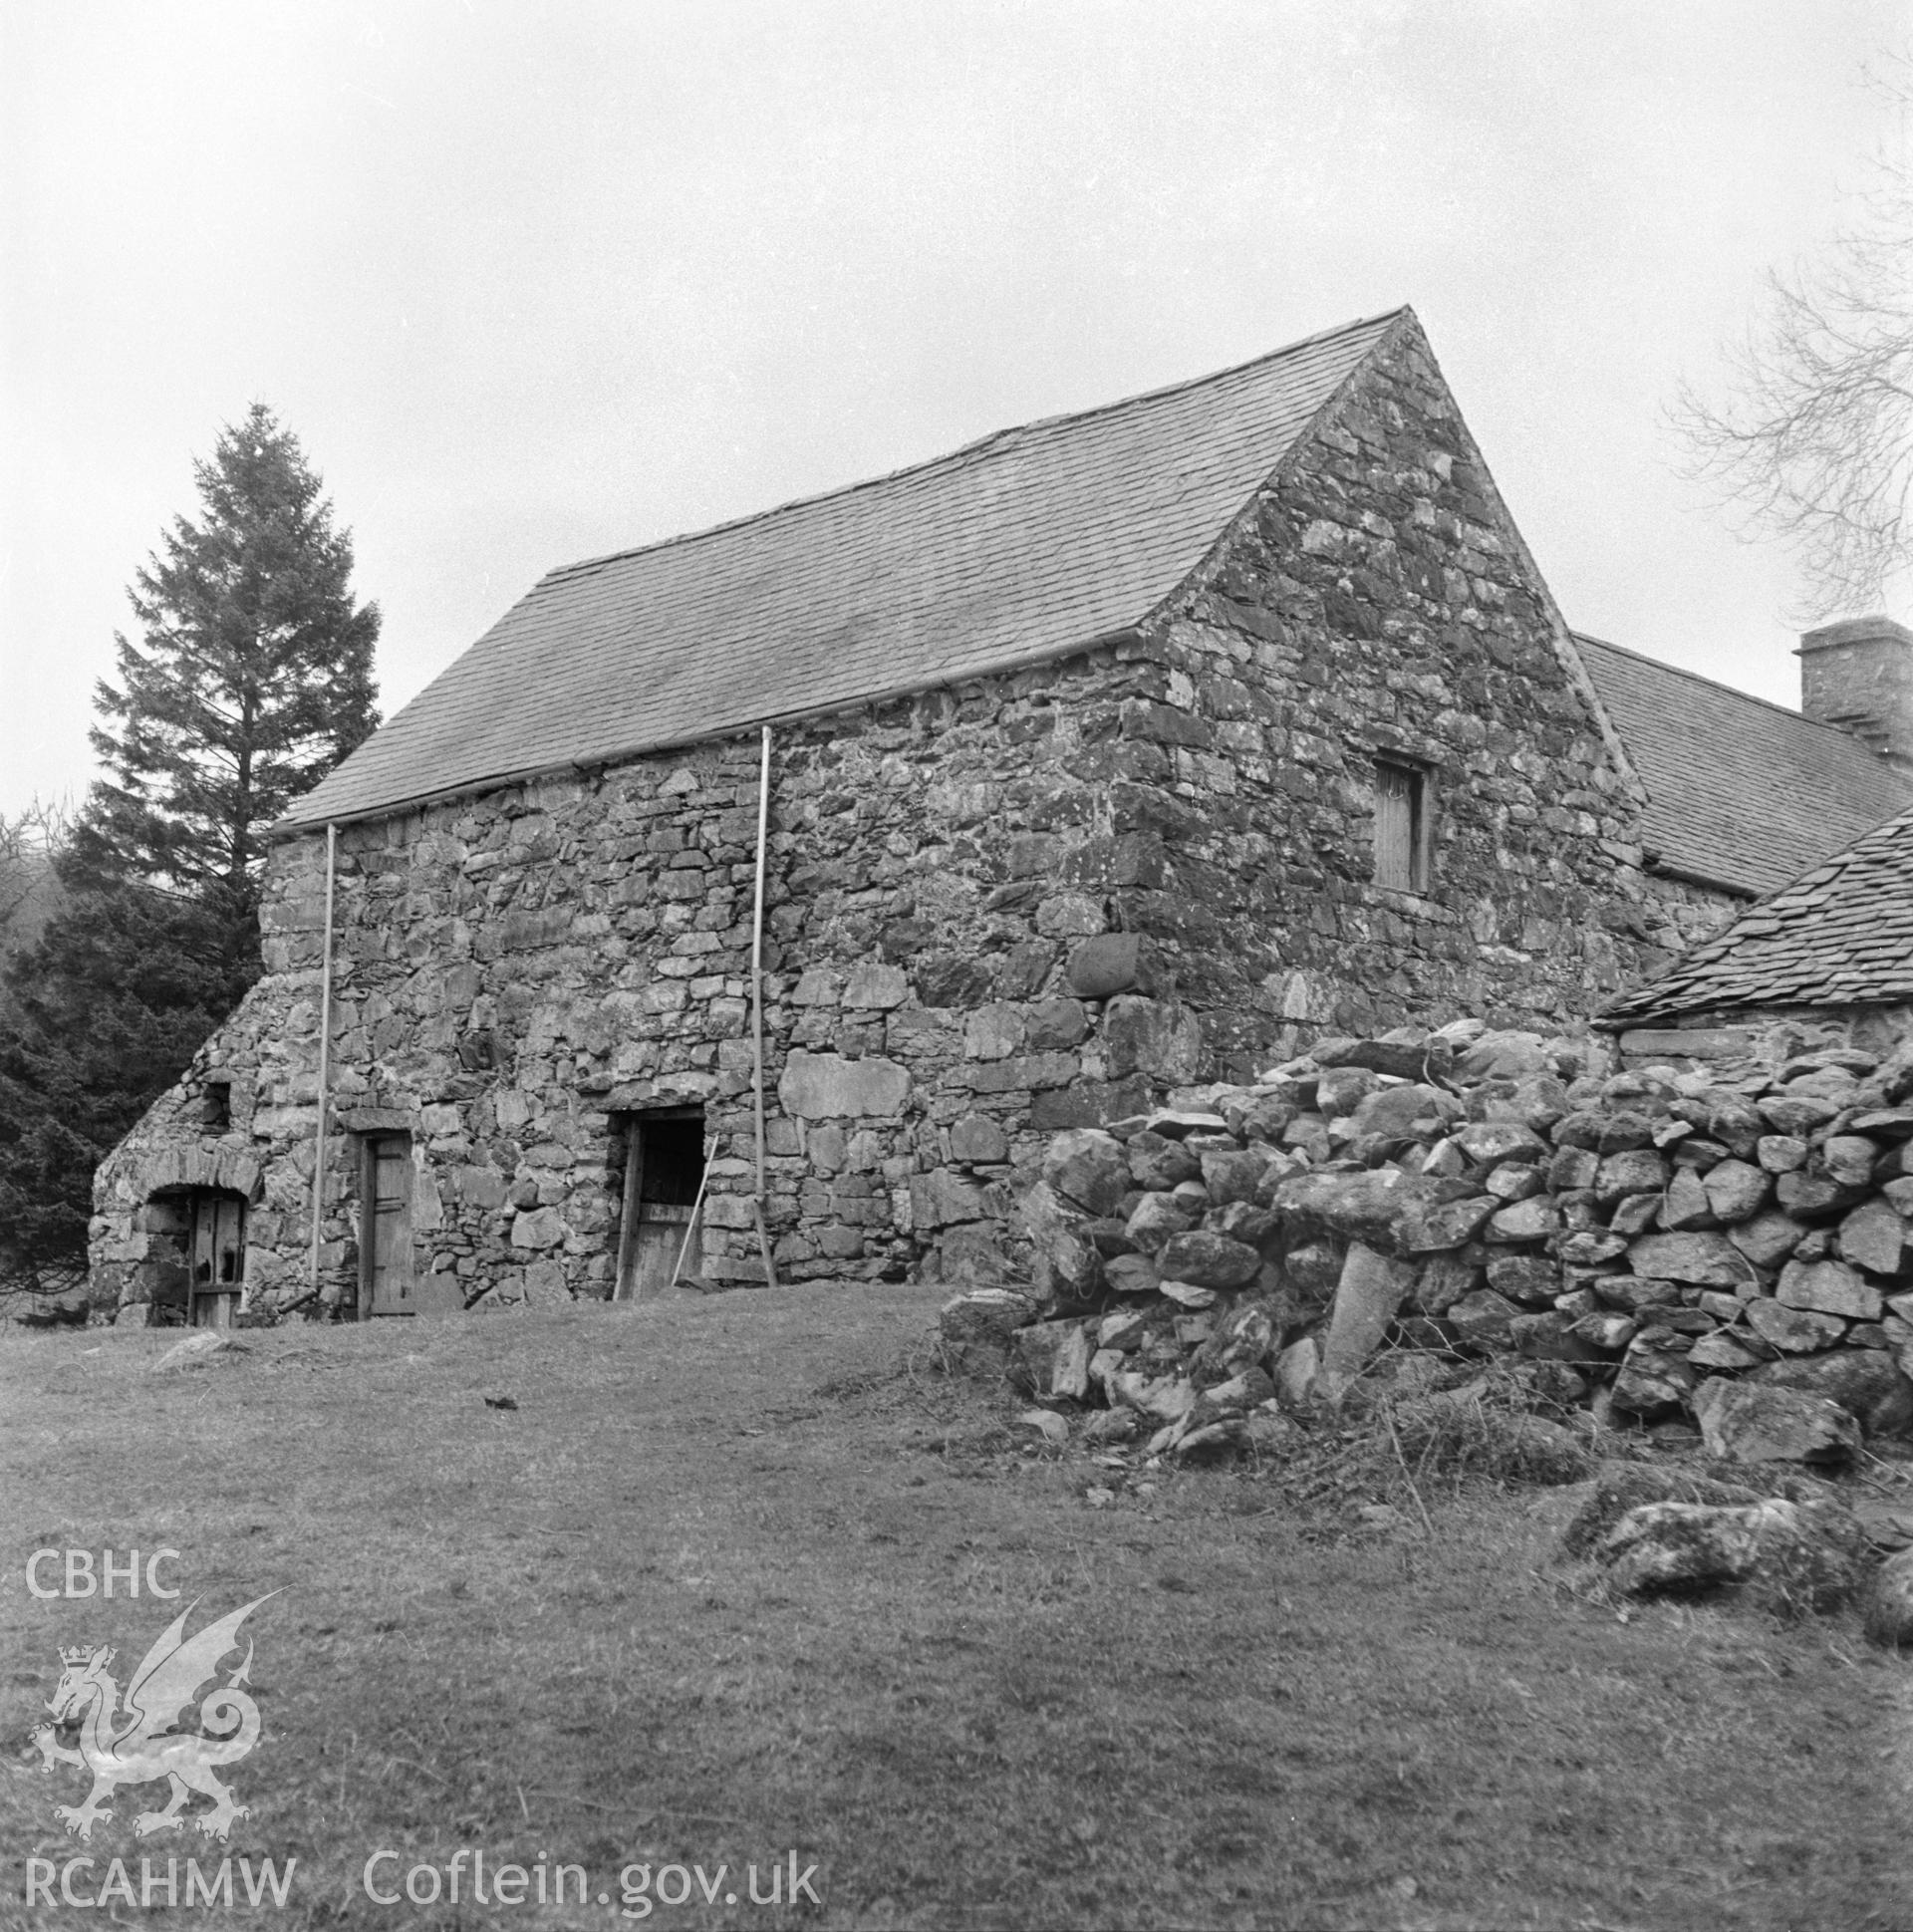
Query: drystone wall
{"points": [[1026, 903], [1676, 1248]]}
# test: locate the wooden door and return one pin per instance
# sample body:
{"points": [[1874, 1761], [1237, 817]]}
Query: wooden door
{"points": [[658, 1237], [385, 1236], [662, 1228], [216, 1243]]}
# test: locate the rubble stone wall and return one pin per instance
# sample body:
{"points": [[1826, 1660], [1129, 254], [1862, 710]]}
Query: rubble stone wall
{"points": [[1030, 902], [1379, 601], [1674, 1243], [1684, 913]]}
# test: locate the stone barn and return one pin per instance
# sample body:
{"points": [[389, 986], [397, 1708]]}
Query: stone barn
{"points": [[755, 905]]}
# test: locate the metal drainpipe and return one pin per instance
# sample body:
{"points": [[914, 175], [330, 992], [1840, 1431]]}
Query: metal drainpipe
{"points": [[758, 1001], [325, 1056]]}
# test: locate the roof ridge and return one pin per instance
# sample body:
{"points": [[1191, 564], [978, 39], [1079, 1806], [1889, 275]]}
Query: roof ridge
{"points": [[1733, 691], [992, 440]]}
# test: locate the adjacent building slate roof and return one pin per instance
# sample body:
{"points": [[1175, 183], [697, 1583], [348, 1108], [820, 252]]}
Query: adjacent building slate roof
{"points": [[1030, 543], [1741, 793], [1841, 935]]}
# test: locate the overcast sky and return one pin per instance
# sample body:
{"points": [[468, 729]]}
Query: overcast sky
{"points": [[537, 281]]}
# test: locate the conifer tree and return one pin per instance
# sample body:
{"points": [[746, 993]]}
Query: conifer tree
{"points": [[99, 1018], [251, 680]]}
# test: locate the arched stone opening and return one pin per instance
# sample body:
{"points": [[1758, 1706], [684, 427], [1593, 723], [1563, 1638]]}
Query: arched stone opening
{"points": [[194, 1271]]}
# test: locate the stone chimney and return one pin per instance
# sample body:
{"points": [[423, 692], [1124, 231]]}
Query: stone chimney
{"points": [[1858, 674]]}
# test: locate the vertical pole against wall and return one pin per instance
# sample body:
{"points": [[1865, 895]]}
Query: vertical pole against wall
{"points": [[758, 999], [325, 1056]]}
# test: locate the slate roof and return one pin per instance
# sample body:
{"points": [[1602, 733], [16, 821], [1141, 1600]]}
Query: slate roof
{"points": [[1741, 793], [1841, 935], [1028, 544]]}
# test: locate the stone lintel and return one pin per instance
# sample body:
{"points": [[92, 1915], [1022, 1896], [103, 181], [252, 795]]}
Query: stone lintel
{"points": [[1692, 1042]]}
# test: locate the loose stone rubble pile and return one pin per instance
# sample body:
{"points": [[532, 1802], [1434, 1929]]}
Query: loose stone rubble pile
{"points": [[1741, 1254]]}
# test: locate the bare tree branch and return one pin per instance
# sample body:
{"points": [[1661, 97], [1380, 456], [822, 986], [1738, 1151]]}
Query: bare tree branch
{"points": [[1814, 441], [30, 841]]}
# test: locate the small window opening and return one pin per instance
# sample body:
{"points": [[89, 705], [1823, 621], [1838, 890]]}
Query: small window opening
{"points": [[1401, 825], [216, 1108]]}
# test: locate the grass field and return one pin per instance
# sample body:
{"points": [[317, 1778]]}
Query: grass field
{"points": [[742, 1577]]}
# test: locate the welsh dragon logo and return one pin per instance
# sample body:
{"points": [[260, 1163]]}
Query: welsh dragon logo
{"points": [[146, 1743]]}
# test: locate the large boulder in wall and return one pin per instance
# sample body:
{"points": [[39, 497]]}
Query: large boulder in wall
{"points": [[1372, 1288], [1089, 1168], [1865, 1382], [1065, 1264], [1751, 1422], [1156, 1037]]}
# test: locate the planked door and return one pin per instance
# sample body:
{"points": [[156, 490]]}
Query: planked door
{"points": [[659, 1212], [217, 1244], [661, 1240], [385, 1236]]}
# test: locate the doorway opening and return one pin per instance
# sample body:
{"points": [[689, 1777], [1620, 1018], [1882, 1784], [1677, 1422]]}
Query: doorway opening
{"points": [[659, 1157], [390, 1279], [385, 1225], [215, 1258]]}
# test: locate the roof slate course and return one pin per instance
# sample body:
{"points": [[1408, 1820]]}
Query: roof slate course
{"points": [[1030, 543], [1741, 793], [1839, 934]]}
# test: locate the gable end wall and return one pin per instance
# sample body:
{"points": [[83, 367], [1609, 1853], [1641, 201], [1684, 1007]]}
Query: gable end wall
{"points": [[1376, 598]]}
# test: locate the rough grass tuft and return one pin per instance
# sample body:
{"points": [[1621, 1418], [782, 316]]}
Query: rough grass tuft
{"points": [[1415, 1433]]}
